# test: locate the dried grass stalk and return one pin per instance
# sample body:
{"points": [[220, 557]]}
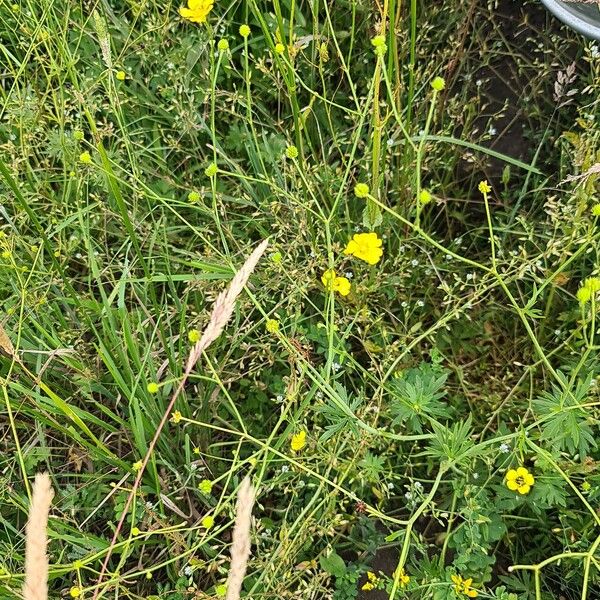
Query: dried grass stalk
{"points": [[224, 305], [36, 559], [240, 546]]}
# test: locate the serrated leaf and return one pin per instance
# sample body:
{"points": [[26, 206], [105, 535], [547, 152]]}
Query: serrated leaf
{"points": [[372, 216]]}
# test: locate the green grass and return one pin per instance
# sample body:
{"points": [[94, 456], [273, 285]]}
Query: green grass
{"points": [[465, 352]]}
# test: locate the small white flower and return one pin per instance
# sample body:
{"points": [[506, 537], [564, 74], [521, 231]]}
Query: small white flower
{"points": [[420, 303], [285, 468], [492, 131], [504, 448], [348, 274], [188, 570], [475, 475], [414, 262], [390, 486], [418, 485], [336, 366], [404, 304], [408, 496]]}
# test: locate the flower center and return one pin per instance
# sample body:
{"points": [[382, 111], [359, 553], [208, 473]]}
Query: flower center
{"points": [[520, 481]]}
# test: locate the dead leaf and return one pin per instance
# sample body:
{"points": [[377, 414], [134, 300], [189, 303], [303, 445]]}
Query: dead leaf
{"points": [[6, 346]]}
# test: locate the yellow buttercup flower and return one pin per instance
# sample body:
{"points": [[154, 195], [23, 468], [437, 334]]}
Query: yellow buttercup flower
{"points": [[298, 441], [366, 246], [403, 578], [333, 283], [484, 187], [463, 586], [197, 10], [519, 480], [372, 581]]}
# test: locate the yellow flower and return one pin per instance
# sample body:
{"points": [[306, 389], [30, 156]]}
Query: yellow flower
{"points": [[75, 592], [425, 197], [463, 586], [272, 325], [366, 246], [137, 465], [152, 387], [197, 10], [298, 441], [205, 486], [223, 45], [367, 587], [193, 335], [438, 84], [596, 210], [372, 582], [85, 158], [176, 417], [519, 480], [484, 187], [207, 522], [361, 190], [121, 75], [593, 283], [403, 578], [333, 283], [244, 31], [279, 48], [584, 294]]}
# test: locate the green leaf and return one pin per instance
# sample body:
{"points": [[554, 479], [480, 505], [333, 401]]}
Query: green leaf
{"points": [[333, 564]]}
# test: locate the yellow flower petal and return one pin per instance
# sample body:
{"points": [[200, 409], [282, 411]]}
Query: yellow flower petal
{"points": [[522, 472], [524, 489], [529, 480], [511, 475], [512, 485], [298, 441], [341, 285]]}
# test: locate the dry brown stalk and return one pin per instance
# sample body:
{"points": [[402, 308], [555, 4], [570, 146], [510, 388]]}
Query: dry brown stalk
{"points": [[221, 313], [240, 545], [36, 537]]}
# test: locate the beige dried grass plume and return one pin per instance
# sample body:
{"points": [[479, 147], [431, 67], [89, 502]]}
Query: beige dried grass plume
{"points": [[240, 545], [36, 538]]}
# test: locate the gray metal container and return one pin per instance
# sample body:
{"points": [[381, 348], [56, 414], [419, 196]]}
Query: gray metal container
{"points": [[583, 17]]}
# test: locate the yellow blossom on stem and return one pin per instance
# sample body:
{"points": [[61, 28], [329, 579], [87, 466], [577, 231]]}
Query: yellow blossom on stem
{"points": [[366, 246], [519, 480], [197, 10], [484, 187], [403, 578], [463, 586], [333, 283], [298, 441]]}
